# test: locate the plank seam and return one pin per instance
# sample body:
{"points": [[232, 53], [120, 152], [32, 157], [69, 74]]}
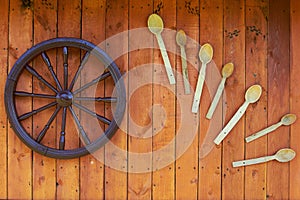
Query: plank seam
{"points": [[32, 127], [79, 160], [198, 118], [7, 70]]}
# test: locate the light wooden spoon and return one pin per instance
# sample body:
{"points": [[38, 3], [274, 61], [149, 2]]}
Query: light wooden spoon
{"points": [[181, 41], [156, 25], [227, 70], [286, 120], [283, 155], [205, 56], [252, 95]]}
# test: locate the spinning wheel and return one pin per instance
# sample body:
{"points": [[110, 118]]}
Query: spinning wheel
{"points": [[64, 97]]}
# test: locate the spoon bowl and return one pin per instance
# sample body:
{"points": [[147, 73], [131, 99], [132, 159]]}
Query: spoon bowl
{"points": [[285, 155], [181, 38], [205, 56], [155, 24], [253, 93], [206, 53], [282, 155], [227, 70], [288, 119], [181, 41]]}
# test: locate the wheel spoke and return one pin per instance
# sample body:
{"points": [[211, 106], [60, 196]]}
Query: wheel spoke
{"points": [[65, 55], [33, 112], [48, 63], [96, 80], [99, 99], [26, 94], [39, 77], [84, 60], [101, 118], [47, 126], [63, 128], [66, 97], [82, 133]]}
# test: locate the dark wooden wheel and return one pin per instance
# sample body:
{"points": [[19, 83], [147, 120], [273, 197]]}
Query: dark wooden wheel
{"points": [[64, 97]]}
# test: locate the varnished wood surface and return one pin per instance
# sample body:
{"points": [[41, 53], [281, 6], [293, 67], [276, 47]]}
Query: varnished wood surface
{"points": [[259, 36]]}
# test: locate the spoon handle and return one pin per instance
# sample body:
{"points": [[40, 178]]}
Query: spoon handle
{"points": [[216, 99], [263, 132], [237, 116], [252, 161], [166, 59], [185, 71], [199, 87], [185, 74]]}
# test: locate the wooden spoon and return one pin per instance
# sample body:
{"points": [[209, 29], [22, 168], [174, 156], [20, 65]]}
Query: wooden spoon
{"points": [[181, 41], [226, 72], [286, 120], [252, 95], [156, 25], [283, 155], [205, 56]]}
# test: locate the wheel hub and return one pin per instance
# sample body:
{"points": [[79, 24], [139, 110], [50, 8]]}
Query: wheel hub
{"points": [[64, 98]]}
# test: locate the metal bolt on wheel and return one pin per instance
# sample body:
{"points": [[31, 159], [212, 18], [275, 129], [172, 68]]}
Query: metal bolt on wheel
{"points": [[64, 97]]}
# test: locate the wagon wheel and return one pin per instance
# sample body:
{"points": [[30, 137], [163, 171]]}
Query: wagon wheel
{"points": [[64, 97]]}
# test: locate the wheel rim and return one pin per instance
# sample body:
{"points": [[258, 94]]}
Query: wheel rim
{"points": [[64, 97]]}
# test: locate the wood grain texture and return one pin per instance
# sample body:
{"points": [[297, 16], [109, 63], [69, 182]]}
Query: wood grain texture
{"points": [[140, 184], [211, 31], [294, 193], [260, 37], [163, 182], [91, 168], [234, 51], [44, 169], [117, 47], [256, 70], [3, 118], [187, 164], [69, 19], [19, 156], [278, 95]]}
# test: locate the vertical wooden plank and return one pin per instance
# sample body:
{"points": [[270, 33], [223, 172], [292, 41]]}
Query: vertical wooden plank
{"points": [[139, 184], [116, 163], [163, 179], [211, 31], [69, 19], [19, 156], [234, 51], [91, 169], [256, 73], [295, 96], [3, 119], [186, 177], [44, 169], [278, 95]]}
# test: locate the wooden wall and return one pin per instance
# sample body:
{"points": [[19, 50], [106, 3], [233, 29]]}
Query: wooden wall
{"points": [[259, 36]]}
